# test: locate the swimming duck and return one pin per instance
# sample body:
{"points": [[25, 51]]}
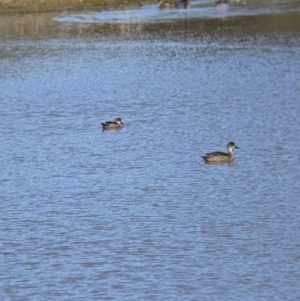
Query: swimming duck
{"points": [[220, 156], [116, 124], [183, 3], [162, 4]]}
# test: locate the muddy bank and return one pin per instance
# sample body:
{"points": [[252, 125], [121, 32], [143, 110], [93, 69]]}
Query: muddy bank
{"points": [[23, 6], [26, 6]]}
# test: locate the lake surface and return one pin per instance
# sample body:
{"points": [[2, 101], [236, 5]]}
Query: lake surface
{"points": [[136, 214]]}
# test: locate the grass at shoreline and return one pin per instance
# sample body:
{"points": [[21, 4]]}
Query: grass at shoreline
{"points": [[17, 6]]}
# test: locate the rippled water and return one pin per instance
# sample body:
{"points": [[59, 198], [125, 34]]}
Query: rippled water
{"points": [[136, 214]]}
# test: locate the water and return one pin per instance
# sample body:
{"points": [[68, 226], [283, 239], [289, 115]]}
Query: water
{"points": [[136, 214], [195, 9]]}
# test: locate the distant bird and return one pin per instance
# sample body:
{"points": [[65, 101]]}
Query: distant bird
{"points": [[116, 124], [162, 4], [220, 156], [183, 3], [222, 1]]}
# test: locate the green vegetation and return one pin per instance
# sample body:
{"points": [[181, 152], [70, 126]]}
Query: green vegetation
{"points": [[52, 5]]}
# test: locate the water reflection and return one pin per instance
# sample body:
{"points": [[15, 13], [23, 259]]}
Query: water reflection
{"points": [[196, 9], [41, 26], [26, 25], [203, 17]]}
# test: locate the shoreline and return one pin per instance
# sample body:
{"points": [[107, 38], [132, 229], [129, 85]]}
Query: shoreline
{"points": [[32, 6]]}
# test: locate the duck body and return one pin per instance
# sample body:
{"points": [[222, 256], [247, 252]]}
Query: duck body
{"points": [[162, 4], [221, 156], [116, 124]]}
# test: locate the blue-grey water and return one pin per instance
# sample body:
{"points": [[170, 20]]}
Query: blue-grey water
{"points": [[136, 214]]}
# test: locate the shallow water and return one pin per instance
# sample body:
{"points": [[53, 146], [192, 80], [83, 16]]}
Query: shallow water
{"points": [[136, 214]]}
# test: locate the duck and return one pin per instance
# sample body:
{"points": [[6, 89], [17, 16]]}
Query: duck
{"points": [[162, 4], [183, 3], [116, 124], [221, 156]]}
